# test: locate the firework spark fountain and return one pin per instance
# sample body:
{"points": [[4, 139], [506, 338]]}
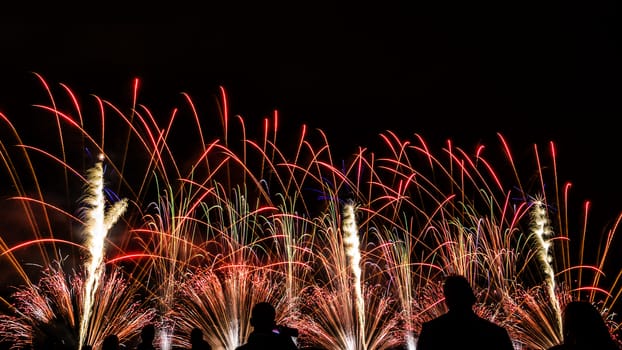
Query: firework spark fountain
{"points": [[541, 231], [351, 240], [50, 312], [98, 223]]}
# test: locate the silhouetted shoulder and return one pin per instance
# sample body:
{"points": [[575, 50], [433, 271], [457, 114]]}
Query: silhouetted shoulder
{"points": [[459, 331], [558, 347], [585, 328], [267, 341]]}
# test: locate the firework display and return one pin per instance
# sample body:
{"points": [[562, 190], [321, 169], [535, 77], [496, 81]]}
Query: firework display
{"points": [[119, 216]]}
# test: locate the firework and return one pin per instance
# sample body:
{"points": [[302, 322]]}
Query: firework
{"points": [[51, 311], [351, 253], [98, 223]]}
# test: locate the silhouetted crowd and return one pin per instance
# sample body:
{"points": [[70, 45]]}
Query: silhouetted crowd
{"points": [[459, 328]]}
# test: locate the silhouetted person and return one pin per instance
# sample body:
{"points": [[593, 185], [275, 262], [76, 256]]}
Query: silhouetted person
{"points": [[584, 329], [147, 335], [460, 327], [196, 340], [111, 342], [266, 335]]}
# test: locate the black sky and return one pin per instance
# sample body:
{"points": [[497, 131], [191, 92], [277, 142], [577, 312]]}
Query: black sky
{"points": [[533, 70]]}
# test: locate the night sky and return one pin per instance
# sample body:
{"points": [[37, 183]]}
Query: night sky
{"points": [[536, 71]]}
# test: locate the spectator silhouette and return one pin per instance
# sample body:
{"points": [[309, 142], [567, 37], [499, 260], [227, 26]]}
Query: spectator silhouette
{"points": [[147, 335], [266, 335], [460, 327], [584, 329], [111, 342], [196, 340]]}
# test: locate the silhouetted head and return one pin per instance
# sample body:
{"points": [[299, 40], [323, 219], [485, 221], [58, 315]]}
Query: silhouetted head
{"points": [[196, 335], [147, 333], [458, 292], [111, 342], [262, 316], [583, 324]]}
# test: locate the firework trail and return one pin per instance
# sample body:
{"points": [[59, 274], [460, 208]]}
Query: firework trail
{"points": [[98, 222], [351, 241], [542, 231]]}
